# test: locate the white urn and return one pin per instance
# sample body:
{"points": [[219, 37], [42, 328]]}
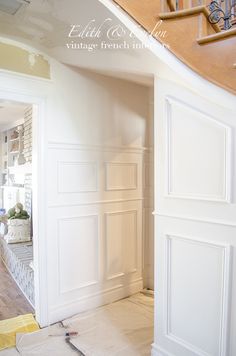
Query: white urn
{"points": [[18, 231]]}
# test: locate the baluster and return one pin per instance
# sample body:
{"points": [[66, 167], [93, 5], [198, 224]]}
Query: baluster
{"points": [[179, 4], [190, 4], [227, 24], [222, 11], [233, 7]]}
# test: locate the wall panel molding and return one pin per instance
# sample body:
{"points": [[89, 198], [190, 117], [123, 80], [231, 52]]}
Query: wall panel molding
{"points": [[121, 176], [81, 177], [224, 299], [193, 218], [66, 244], [74, 207], [90, 147], [77, 177], [125, 248], [202, 119], [112, 201]]}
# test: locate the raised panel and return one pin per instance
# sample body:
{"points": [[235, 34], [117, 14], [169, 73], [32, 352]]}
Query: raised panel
{"points": [[121, 176], [76, 177], [197, 295], [77, 252], [130, 242], [121, 243], [198, 154]]}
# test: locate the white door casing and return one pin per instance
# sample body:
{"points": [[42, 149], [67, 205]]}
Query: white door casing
{"points": [[195, 224], [39, 140]]}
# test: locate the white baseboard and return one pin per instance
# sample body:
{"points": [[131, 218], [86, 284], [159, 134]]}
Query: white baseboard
{"points": [[158, 351], [61, 312]]}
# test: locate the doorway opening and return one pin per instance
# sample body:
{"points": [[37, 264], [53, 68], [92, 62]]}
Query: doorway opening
{"points": [[17, 291]]}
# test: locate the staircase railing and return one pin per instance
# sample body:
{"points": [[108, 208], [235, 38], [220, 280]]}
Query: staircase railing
{"points": [[187, 4], [222, 12]]}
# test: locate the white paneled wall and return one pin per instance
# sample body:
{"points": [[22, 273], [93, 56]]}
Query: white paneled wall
{"points": [[195, 225], [91, 237], [97, 198], [95, 214]]}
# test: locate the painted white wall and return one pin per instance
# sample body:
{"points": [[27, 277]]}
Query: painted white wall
{"points": [[96, 110], [194, 211], [92, 155], [56, 143], [95, 191], [195, 225]]}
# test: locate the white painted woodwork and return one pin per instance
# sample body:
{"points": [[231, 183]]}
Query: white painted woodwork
{"points": [[83, 177], [96, 233], [77, 252], [95, 196], [148, 204], [69, 123], [90, 138], [194, 225], [205, 172], [183, 285], [121, 176], [121, 241]]}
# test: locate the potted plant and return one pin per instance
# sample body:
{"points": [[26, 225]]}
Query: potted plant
{"points": [[18, 225]]}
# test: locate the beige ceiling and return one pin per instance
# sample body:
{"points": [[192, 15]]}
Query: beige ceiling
{"points": [[45, 24], [48, 22]]}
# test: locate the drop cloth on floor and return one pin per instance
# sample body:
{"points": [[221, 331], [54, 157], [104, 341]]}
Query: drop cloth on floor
{"points": [[46, 342], [123, 328]]}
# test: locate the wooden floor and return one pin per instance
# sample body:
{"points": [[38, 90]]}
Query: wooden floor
{"points": [[12, 301]]}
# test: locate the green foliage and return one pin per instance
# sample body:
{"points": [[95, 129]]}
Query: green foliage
{"points": [[11, 212], [19, 206], [18, 213]]}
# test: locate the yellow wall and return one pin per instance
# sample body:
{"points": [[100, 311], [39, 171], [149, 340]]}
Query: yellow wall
{"points": [[17, 59]]}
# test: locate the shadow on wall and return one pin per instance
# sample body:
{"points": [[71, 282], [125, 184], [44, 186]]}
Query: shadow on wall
{"points": [[118, 109]]}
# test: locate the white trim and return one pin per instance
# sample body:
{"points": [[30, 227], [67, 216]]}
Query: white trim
{"points": [[192, 218], [226, 197], [88, 283], [89, 147], [97, 202], [78, 163], [39, 205], [24, 76], [159, 351], [39, 139], [226, 288], [201, 86], [93, 300], [24, 46], [120, 212], [120, 188]]}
